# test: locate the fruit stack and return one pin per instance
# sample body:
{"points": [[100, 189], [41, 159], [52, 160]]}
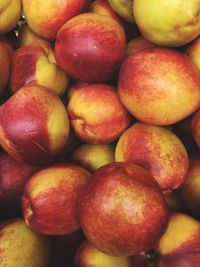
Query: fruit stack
{"points": [[100, 133]]}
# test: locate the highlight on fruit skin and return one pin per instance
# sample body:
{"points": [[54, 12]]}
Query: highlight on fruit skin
{"points": [[34, 125]]}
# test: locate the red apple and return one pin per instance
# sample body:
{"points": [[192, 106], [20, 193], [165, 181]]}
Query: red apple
{"points": [[35, 64], [5, 70], [96, 114], [89, 256], [159, 86], [158, 150], [49, 199], [45, 18], [34, 125], [13, 176], [90, 47], [122, 210]]}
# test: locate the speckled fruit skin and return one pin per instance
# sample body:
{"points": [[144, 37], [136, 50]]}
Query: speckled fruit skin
{"points": [[159, 86], [156, 149], [169, 23], [34, 125], [87, 255], [49, 199], [119, 207], [46, 17], [13, 176], [96, 114], [180, 245], [20, 246], [35, 64], [90, 47]]}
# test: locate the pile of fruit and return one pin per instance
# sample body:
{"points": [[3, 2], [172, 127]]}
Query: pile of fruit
{"points": [[99, 133]]}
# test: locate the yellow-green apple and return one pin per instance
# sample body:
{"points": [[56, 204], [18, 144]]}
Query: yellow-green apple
{"points": [[10, 13], [96, 114], [49, 198], [195, 127], [13, 176], [159, 86], [90, 47], [93, 157], [5, 70], [103, 7], [156, 149], [180, 245], [36, 65], [64, 247], [137, 44], [190, 191], [124, 9], [122, 209], [193, 51], [20, 246], [26, 37], [34, 125], [89, 256], [168, 22], [51, 15]]}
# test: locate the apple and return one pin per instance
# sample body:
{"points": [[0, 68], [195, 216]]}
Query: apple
{"points": [[190, 190], [122, 210], [159, 86], [168, 22], [96, 114], [93, 157], [5, 71], [180, 245], [89, 256], [20, 246], [137, 44], [7, 45], [124, 9], [193, 51], [46, 18], [158, 150], [49, 198], [90, 47], [13, 176], [34, 125], [26, 37], [103, 7], [36, 65], [9, 14]]}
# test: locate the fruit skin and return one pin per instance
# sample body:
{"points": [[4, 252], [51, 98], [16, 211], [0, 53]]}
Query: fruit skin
{"points": [[5, 71], [34, 125], [102, 7], [137, 44], [20, 246], [101, 51], [156, 149], [26, 37], [89, 256], [13, 176], [49, 199], [124, 9], [195, 127], [36, 65], [168, 22], [190, 190], [51, 15], [162, 93], [180, 245], [93, 125], [193, 51], [119, 207], [9, 14], [93, 157]]}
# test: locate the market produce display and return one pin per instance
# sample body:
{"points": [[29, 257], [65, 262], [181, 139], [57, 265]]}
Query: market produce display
{"points": [[99, 133]]}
